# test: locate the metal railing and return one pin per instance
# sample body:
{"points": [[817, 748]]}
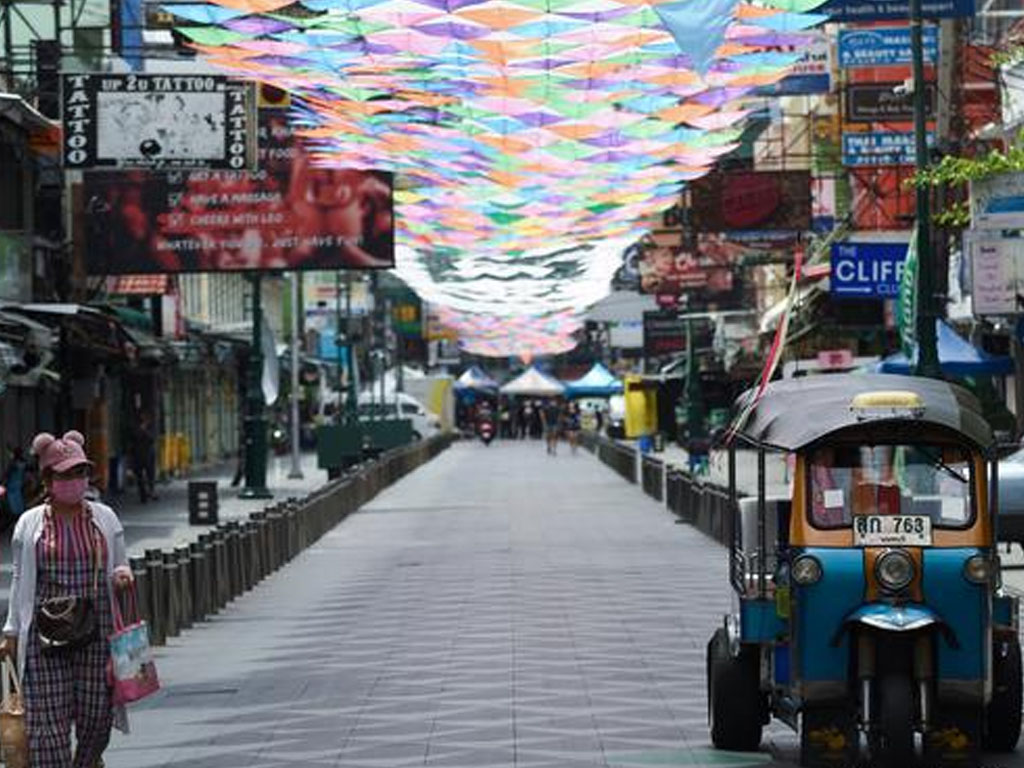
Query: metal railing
{"points": [[180, 586]]}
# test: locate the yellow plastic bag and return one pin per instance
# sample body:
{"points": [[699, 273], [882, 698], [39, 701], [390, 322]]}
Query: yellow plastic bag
{"points": [[13, 732]]}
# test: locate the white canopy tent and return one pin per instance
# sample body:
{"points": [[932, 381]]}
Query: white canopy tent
{"points": [[533, 383]]}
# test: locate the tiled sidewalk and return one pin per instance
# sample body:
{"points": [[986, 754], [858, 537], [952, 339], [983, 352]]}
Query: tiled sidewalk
{"points": [[496, 608]]}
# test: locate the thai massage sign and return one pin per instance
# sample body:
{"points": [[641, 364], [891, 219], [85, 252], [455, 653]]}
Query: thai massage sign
{"points": [[158, 122]]}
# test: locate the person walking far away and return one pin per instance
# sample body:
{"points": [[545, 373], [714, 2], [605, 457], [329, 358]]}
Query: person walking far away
{"points": [[572, 425], [14, 481], [69, 560], [144, 456], [552, 416]]}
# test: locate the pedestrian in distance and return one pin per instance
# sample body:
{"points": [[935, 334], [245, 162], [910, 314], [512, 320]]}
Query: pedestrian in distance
{"points": [[69, 561], [526, 420], [572, 426], [553, 417], [15, 480], [144, 456]]}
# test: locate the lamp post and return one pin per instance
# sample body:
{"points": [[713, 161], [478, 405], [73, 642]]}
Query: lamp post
{"points": [[255, 419], [927, 350], [296, 470]]}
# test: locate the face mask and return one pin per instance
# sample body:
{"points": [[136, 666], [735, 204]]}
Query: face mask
{"points": [[70, 491]]}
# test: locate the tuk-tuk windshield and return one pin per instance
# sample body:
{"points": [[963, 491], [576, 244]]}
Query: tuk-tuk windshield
{"points": [[920, 479]]}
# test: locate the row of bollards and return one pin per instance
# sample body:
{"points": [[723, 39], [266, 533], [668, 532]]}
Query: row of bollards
{"points": [[180, 586]]}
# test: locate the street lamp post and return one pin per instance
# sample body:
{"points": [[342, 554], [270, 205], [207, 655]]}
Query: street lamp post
{"points": [[296, 470], [255, 419], [927, 351]]}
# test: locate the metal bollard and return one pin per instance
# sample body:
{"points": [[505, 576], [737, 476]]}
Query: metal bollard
{"points": [[197, 581], [157, 596], [172, 628], [210, 606], [184, 557], [233, 543], [221, 585], [258, 520], [141, 576], [245, 547]]}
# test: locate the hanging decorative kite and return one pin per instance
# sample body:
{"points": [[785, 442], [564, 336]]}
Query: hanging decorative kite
{"points": [[517, 128]]}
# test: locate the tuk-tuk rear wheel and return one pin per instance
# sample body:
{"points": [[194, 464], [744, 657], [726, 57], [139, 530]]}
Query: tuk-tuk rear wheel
{"points": [[1003, 714], [736, 704], [893, 745]]}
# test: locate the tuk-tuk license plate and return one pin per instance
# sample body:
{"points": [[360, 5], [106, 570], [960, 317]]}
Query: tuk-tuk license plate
{"points": [[892, 531]]}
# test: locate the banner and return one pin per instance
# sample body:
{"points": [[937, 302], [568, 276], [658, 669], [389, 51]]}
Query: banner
{"points": [[884, 46], [881, 10], [157, 121], [290, 215], [751, 200], [906, 307], [885, 103]]}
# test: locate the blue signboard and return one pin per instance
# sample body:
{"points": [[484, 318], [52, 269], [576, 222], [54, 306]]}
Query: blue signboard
{"points": [[881, 10], [867, 270], [884, 46], [879, 148], [798, 85]]}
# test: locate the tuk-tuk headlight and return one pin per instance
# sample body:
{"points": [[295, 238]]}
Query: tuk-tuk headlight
{"points": [[894, 570], [806, 570], [978, 569]]}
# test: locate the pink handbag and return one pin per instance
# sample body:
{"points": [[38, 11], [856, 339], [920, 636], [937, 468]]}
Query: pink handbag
{"points": [[131, 671]]}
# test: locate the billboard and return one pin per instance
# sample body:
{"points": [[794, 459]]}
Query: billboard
{"points": [[157, 122], [881, 10], [672, 270], [288, 215], [752, 200], [885, 102], [664, 333], [884, 46], [810, 74]]}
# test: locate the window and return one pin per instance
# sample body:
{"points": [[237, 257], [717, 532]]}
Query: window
{"points": [[410, 408], [920, 479]]}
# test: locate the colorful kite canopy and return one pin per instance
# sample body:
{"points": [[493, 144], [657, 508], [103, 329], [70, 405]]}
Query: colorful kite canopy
{"points": [[518, 128]]}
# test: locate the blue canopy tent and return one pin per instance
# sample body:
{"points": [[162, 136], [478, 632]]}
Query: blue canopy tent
{"points": [[957, 357], [598, 382], [475, 379]]}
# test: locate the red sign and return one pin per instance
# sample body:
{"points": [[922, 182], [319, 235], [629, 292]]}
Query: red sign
{"points": [[831, 359], [288, 215], [749, 200]]}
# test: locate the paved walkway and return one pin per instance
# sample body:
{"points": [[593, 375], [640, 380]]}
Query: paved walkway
{"points": [[496, 608]]}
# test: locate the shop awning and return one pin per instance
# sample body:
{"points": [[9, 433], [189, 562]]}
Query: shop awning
{"points": [[477, 380], [534, 383], [598, 382], [957, 357]]}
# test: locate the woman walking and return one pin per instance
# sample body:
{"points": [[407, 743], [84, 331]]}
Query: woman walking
{"points": [[69, 556]]}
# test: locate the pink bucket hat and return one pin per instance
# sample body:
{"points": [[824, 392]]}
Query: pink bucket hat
{"points": [[61, 454]]}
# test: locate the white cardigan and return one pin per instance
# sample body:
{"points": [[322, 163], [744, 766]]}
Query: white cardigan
{"points": [[27, 532]]}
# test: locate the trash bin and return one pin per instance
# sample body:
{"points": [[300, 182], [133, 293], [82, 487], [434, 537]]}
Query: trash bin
{"points": [[202, 502]]}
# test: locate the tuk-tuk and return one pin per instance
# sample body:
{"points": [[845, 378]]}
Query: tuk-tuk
{"points": [[870, 613]]}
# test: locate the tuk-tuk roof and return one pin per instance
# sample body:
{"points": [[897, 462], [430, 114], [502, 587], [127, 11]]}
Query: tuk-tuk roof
{"points": [[794, 413]]}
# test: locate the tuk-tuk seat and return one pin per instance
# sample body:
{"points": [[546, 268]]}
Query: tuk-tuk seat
{"points": [[876, 499]]}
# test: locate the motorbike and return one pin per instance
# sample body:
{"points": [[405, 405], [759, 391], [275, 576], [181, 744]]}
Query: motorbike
{"points": [[486, 430], [279, 440]]}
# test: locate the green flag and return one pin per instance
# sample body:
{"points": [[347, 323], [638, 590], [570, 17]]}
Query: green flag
{"points": [[906, 310]]}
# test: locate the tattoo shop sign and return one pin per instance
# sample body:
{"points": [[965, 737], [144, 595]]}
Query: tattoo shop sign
{"points": [[158, 122]]}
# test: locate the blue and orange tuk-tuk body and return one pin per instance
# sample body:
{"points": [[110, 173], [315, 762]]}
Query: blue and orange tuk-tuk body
{"points": [[869, 612]]}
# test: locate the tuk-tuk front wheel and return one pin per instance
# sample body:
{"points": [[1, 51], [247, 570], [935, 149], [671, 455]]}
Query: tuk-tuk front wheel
{"points": [[736, 704], [1003, 714], [893, 745]]}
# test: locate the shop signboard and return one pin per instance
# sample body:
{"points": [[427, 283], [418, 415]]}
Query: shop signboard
{"points": [[882, 10], [290, 215], [867, 270], [157, 122], [810, 74], [664, 333], [884, 102], [752, 200], [880, 148], [997, 269], [998, 202], [884, 46], [1011, 78]]}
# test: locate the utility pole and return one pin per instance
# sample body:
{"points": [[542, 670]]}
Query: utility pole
{"points": [[352, 400], [255, 406], [927, 348], [296, 470]]}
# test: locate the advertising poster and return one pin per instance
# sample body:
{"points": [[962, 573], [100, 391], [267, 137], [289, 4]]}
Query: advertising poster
{"points": [[751, 200], [706, 273], [288, 215], [157, 122]]}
